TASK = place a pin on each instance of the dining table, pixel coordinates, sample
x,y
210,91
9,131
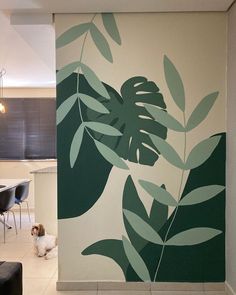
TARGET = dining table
x,y
10,183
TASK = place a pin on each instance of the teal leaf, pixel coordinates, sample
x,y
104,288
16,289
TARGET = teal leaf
x,y
103,128
201,111
93,81
65,107
109,23
174,83
76,144
201,194
101,43
66,71
164,118
193,236
158,193
72,34
136,260
201,152
110,155
142,228
167,151
93,104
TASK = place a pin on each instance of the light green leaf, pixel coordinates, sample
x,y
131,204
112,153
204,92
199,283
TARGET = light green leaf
x,y
158,193
142,228
101,43
174,83
164,118
93,104
66,71
110,155
201,111
167,151
201,194
201,152
193,236
103,128
65,107
72,34
136,260
93,81
109,23
76,144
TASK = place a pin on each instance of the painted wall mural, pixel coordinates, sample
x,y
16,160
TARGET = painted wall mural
x,y
100,127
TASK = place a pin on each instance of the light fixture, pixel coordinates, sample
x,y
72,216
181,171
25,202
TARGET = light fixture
x,y
2,106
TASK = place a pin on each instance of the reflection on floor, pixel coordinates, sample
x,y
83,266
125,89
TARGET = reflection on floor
x,y
40,275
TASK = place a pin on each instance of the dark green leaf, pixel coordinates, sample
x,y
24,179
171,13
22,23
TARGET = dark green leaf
x,y
101,43
65,107
136,260
129,116
109,248
193,236
174,83
201,111
111,27
72,34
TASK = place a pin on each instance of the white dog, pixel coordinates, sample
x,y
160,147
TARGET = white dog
x,y
45,245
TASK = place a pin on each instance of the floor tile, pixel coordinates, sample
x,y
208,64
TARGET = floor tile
x,y
35,286
51,290
129,292
38,267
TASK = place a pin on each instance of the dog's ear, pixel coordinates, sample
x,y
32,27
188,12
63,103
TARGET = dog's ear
x,y
41,230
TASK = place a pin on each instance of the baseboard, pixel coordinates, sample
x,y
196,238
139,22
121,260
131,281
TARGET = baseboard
x,y
228,289
139,286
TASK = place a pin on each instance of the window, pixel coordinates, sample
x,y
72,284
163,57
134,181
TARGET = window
x,y
28,129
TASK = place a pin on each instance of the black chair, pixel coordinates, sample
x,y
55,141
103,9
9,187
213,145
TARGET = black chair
x,y
7,201
22,192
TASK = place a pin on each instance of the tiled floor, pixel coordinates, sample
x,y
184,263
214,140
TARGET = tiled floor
x,y
40,275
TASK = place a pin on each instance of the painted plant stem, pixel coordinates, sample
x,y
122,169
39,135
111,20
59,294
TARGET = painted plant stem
x,y
77,87
177,207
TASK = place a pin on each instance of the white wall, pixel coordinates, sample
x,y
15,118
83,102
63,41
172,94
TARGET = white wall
x,y
22,169
231,152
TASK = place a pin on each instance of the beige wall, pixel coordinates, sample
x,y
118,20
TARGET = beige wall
x,y
196,43
231,152
29,92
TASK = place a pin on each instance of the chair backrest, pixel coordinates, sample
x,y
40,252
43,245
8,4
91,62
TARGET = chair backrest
x,y
7,199
22,191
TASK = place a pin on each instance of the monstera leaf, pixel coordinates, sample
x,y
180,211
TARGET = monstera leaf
x,y
128,114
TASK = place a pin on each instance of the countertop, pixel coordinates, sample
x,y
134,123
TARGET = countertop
x,y
52,169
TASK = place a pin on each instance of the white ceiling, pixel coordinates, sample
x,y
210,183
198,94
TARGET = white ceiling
x,y
27,50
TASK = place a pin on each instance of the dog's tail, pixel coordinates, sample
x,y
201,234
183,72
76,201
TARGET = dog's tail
x,y
52,253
